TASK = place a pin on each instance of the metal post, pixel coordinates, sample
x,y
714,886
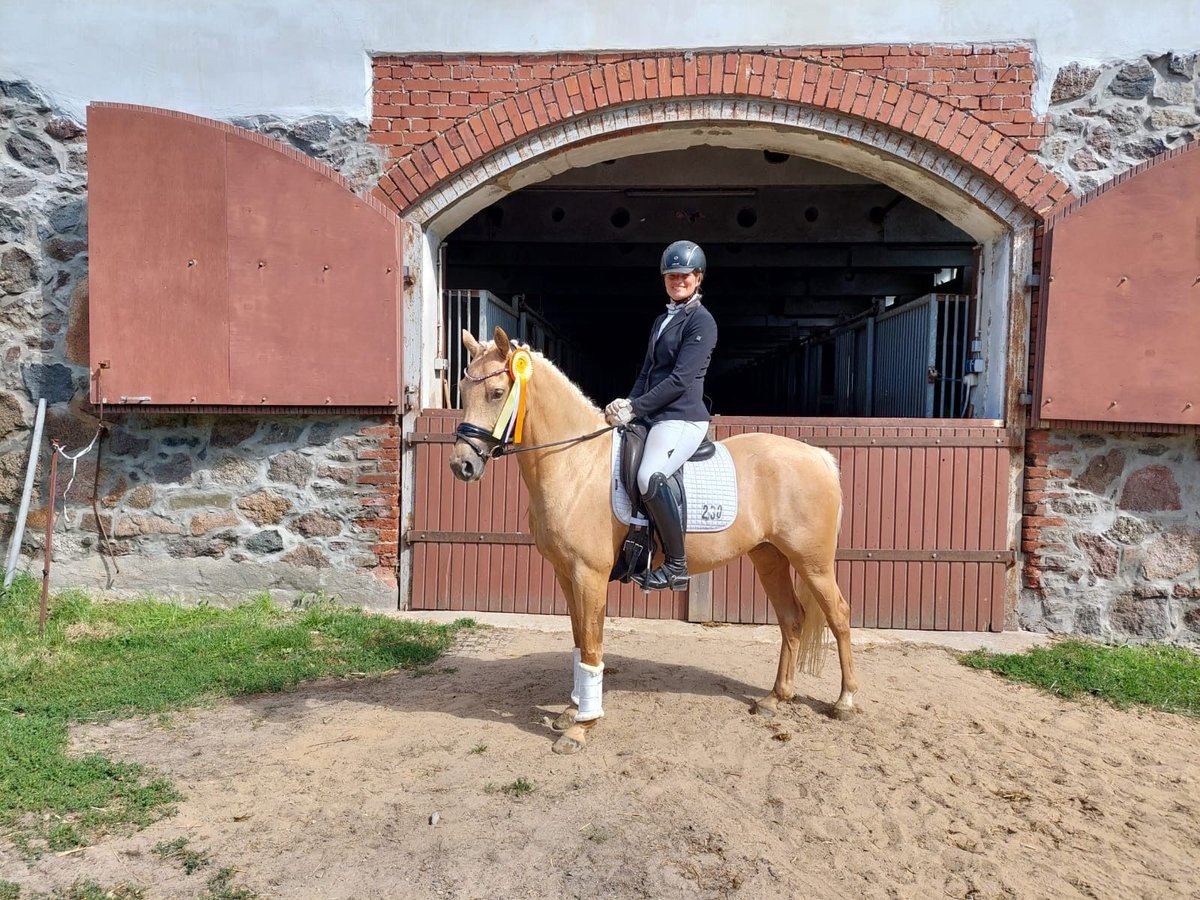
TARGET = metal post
x,y
870,376
49,539
19,527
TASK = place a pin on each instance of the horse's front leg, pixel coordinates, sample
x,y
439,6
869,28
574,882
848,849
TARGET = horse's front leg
x,y
566,718
590,590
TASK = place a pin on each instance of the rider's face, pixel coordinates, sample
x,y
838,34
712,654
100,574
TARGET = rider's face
x,y
681,285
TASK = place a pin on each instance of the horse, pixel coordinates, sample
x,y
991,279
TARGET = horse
x,y
789,515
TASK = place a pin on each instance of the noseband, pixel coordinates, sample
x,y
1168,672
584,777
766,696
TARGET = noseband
x,y
467,433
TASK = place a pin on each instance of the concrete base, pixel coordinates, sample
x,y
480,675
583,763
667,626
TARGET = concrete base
x,y
214,580
1004,642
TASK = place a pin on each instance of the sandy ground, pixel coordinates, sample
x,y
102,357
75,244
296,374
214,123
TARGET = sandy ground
x,y
949,783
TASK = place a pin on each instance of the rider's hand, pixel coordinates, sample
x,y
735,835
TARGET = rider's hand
x,y
619,412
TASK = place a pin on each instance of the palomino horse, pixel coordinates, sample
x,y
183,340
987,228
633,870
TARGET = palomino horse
x,y
790,508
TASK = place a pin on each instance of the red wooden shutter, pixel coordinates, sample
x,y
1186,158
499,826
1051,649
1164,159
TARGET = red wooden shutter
x,y
1121,320
228,270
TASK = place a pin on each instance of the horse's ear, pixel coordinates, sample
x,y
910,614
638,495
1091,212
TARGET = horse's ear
x,y
502,343
470,343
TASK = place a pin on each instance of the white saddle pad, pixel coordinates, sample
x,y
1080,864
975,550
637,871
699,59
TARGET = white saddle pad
x,y
711,486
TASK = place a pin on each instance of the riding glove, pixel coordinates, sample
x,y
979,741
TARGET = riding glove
x,y
619,412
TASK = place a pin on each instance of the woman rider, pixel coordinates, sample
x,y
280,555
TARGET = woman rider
x,y
669,395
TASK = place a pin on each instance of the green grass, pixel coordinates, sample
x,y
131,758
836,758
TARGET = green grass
x,y
80,890
1161,677
220,887
101,661
191,860
515,789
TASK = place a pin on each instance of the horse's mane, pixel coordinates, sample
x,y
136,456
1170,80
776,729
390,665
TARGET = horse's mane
x,y
541,360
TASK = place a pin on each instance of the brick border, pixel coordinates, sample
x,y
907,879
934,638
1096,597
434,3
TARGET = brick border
x,y
481,128
378,459
660,114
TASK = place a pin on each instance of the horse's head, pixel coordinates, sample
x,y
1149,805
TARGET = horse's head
x,y
483,389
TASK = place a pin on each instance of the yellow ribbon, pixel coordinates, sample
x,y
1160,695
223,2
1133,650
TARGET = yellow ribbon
x,y
506,414
520,366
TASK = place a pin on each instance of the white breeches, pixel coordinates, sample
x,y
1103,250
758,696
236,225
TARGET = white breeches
x,y
668,446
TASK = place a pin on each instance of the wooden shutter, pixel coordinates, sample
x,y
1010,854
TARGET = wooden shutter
x,y
230,271
1121,291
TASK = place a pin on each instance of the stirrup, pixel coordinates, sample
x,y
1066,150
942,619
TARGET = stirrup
x,y
671,575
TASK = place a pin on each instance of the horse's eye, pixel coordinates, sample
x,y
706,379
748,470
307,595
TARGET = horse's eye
x,y
497,393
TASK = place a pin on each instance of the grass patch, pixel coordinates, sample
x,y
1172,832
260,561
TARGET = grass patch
x,y
220,887
102,661
191,860
1164,678
92,890
80,890
516,789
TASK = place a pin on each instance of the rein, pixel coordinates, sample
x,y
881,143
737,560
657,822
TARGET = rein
x,y
496,448
511,415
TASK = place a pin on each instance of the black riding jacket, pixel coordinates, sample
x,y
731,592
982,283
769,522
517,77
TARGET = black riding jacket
x,y
671,383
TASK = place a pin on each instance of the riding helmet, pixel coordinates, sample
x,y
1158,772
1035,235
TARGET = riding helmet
x,y
683,256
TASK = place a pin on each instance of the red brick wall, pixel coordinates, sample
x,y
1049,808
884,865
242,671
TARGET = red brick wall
x,y
418,97
1039,491
438,113
379,471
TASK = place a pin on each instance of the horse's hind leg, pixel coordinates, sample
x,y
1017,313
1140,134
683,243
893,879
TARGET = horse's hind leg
x,y
819,578
775,573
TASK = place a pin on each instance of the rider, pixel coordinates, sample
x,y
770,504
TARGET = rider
x,y
669,395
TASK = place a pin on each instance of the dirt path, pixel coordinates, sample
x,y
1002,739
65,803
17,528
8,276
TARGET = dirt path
x,y
951,783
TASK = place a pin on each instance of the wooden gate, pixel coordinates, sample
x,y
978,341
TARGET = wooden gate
x,y
923,542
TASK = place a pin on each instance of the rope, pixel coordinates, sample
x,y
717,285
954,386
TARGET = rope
x,y
74,458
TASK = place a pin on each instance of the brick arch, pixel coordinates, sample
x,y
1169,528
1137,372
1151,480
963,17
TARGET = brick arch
x,y
975,144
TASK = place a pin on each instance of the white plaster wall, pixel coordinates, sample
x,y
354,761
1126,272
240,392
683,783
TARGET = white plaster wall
x,y
222,58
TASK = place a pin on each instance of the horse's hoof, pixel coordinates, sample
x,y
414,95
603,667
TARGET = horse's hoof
x,y
766,707
566,745
844,712
574,739
565,720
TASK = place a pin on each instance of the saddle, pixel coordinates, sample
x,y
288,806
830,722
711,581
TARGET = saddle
x,y
638,548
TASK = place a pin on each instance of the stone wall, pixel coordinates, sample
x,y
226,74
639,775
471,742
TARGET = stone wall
x,y
1118,548
196,505
1104,121
1111,535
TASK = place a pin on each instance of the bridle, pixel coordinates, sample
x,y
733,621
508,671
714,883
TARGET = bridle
x,y
493,446
466,432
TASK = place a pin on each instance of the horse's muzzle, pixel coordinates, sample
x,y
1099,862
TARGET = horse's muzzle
x,y
466,463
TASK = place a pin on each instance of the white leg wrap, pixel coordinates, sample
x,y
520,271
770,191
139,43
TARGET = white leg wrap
x,y
591,691
575,669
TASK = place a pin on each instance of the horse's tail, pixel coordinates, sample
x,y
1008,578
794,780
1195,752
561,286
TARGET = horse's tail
x,y
810,656
813,645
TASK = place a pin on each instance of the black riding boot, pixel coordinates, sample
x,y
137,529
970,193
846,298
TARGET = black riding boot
x,y
673,573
